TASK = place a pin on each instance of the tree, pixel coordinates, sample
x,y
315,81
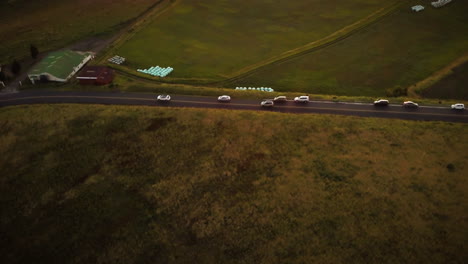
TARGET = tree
x,y
2,76
397,91
15,67
34,51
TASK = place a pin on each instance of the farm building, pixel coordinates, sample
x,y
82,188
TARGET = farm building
x,y
97,75
59,66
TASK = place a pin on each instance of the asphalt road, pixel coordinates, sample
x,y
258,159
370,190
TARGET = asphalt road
x,y
442,113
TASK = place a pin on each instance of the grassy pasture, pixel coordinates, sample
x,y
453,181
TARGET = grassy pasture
x,y
399,51
52,24
210,39
101,184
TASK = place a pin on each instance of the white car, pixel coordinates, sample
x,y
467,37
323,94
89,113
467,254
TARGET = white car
x,y
164,97
458,106
267,103
302,99
224,98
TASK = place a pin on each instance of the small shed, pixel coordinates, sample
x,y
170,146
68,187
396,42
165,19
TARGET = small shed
x,y
96,75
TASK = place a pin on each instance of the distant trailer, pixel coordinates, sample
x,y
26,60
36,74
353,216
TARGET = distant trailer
x,y
417,8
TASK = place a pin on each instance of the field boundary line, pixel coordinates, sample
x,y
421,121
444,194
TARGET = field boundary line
x,y
370,20
347,30
415,90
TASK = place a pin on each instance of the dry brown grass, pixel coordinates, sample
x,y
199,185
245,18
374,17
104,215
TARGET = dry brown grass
x,y
149,185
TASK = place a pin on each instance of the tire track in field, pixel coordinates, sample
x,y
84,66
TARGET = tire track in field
x,y
390,10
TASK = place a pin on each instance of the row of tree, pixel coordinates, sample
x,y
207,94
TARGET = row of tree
x,y
15,66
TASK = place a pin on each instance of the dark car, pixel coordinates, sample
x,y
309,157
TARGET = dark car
x,y
280,99
409,104
381,102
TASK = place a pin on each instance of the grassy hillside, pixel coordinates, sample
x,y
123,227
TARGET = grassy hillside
x,y
51,24
399,51
101,184
212,38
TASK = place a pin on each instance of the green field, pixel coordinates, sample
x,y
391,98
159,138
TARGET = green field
x,y
101,184
399,51
213,38
52,24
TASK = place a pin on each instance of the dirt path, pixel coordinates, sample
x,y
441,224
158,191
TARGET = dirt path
x,y
418,89
453,85
137,25
98,44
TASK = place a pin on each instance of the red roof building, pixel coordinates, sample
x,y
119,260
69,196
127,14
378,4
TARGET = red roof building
x,y
97,75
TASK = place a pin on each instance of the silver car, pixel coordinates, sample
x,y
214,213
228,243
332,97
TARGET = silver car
x,y
267,103
302,99
224,98
164,97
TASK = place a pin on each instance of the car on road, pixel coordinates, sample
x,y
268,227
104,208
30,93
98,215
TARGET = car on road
x,y
458,107
302,99
224,98
164,97
267,103
381,102
280,99
410,104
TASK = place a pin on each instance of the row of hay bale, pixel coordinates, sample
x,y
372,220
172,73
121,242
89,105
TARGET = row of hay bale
x,y
440,3
263,89
157,71
117,60
417,8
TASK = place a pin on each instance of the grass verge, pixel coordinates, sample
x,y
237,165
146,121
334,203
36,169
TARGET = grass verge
x,y
124,83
